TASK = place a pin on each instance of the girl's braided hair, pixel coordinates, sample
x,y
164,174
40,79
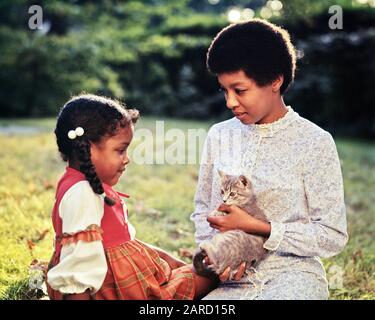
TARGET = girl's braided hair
x,y
99,117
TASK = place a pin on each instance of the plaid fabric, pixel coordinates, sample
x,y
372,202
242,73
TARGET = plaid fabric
x,y
136,272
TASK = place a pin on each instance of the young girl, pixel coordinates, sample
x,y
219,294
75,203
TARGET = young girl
x,y
96,254
291,162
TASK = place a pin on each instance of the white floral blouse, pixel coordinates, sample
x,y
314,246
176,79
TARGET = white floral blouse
x,y
295,170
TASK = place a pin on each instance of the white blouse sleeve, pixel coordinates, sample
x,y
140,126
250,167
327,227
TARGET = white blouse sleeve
x,y
325,234
82,264
203,193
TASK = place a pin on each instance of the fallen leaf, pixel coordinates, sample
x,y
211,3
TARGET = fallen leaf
x,y
41,235
30,244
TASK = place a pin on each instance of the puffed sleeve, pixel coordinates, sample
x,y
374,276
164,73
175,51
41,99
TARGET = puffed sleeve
x,y
203,192
82,263
325,234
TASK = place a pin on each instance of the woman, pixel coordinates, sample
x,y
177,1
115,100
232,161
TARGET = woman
x,y
292,163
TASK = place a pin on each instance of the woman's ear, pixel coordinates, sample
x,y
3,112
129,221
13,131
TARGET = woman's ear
x,y
277,83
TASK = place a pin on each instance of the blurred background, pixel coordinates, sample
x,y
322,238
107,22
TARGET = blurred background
x,y
151,54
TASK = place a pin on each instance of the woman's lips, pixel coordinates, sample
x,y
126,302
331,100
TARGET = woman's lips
x,y
240,115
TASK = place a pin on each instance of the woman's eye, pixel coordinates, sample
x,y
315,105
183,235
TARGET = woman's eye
x,y
240,91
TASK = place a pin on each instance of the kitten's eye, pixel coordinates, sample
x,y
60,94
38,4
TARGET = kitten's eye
x,y
232,194
222,192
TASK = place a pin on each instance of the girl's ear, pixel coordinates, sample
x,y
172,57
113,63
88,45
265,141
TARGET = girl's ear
x,y
93,150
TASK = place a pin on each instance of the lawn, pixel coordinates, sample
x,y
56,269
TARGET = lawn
x,y
160,205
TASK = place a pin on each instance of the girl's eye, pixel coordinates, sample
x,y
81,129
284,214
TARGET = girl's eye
x,y
232,194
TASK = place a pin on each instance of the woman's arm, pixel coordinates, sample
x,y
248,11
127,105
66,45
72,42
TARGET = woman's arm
x,y
239,219
325,234
202,196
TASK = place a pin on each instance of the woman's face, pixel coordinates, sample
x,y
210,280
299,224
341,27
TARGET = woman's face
x,y
250,103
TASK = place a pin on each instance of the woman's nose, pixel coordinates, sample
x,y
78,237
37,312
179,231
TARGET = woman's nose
x,y
231,101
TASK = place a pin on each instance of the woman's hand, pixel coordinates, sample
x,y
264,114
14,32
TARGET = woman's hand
x,y
240,220
226,273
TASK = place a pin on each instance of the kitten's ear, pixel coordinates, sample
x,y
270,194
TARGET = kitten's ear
x,y
245,181
221,174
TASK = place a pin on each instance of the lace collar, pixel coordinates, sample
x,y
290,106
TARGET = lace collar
x,y
269,129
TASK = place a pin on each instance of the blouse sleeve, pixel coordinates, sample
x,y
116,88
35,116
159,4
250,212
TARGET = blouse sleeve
x,y
82,263
325,234
203,193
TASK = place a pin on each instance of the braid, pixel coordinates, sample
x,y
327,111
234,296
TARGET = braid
x,y
87,167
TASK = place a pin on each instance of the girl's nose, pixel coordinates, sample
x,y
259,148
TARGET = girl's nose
x,y
231,101
126,160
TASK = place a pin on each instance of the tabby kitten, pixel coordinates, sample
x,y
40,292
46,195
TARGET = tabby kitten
x,y
232,247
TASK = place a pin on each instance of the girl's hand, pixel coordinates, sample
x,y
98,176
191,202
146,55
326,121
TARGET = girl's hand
x,y
240,220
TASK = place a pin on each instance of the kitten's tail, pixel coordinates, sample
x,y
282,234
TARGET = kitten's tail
x,y
200,267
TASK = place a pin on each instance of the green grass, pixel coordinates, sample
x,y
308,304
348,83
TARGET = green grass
x,y
160,204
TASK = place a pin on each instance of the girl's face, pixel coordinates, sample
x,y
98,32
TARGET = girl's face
x,y
250,103
109,156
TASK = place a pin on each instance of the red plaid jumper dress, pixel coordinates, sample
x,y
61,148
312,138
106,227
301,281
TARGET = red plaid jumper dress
x,y
135,271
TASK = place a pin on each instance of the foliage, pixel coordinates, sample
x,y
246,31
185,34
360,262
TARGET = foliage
x,y
152,54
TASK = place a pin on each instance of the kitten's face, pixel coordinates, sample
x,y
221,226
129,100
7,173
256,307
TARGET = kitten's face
x,y
236,190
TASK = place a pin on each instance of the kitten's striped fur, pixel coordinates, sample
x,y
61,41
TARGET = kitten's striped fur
x,y
232,247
